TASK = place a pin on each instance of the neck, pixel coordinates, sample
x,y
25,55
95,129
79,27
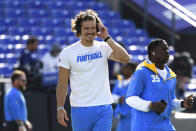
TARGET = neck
x,y
159,66
85,43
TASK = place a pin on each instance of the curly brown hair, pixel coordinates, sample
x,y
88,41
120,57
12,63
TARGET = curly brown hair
x,y
87,15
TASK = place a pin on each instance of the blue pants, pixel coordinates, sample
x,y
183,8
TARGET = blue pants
x,y
124,123
94,118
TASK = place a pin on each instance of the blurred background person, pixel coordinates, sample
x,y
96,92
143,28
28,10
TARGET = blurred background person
x,y
182,66
30,63
15,108
50,59
50,67
122,110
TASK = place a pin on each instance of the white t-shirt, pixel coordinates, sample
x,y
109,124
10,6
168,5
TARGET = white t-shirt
x,y
162,73
89,77
50,63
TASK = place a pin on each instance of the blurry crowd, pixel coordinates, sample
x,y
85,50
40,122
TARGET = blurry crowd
x,y
39,68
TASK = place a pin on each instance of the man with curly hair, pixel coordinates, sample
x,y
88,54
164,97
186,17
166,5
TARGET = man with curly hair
x,y
86,64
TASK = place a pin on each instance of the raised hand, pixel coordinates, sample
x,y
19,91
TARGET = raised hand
x,y
103,31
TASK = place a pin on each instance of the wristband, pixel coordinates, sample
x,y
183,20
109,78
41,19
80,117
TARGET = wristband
x,y
60,108
182,102
107,38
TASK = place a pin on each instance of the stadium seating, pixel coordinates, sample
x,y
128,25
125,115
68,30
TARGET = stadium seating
x,y
50,20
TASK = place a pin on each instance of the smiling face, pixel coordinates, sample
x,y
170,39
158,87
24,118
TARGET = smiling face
x,y
88,32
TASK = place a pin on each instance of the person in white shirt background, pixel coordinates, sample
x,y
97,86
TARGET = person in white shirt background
x,y
50,59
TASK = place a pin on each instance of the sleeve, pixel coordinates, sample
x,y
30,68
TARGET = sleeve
x,y
14,103
176,105
64,59
137,84
138,103
173,95
107,49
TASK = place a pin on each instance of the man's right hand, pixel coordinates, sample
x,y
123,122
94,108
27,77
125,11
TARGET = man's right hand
x,y
61,117
158,107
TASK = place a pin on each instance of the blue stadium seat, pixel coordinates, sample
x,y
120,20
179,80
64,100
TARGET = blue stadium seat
x,y
9,40
53,23
25,22
60,5
2,22
2,57
63,32
50,41
59,14
15,4
43,48
71,39
137,52
144,41
126,24
5,41
97,6
59,32
69,32
12,58
114,32
5,70
141,32
130,41
62,40
41,31
36,5
109,15
18,31
10,22
34,13
2,4
80,5
3,30
67,1
15,13
9,48
19,47
2,12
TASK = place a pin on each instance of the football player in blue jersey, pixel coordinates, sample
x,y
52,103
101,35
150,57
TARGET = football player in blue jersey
x,y
151,92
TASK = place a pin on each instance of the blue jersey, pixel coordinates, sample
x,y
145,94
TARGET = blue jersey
x,y
148,85
15,106
120,89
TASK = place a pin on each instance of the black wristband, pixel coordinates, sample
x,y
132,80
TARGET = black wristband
x,y
182,104
107,38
